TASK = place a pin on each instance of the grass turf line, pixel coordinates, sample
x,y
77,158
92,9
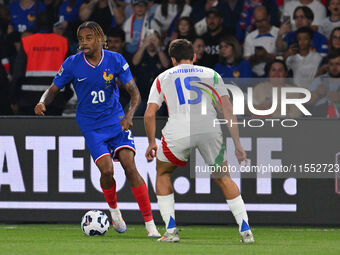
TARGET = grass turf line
x,y
69,239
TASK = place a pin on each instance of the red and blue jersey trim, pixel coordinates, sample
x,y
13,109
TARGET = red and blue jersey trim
x,y
93,66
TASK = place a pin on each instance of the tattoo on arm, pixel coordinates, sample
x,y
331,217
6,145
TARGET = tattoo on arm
x,y
49,95
135,100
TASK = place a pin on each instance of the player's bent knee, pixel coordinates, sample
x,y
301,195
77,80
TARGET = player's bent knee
x,y
107,172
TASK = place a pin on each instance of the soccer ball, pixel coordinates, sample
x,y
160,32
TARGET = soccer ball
x,y
95,223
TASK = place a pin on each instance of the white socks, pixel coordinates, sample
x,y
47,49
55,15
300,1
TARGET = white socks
x,y
238,209
166,206
150,226
115,211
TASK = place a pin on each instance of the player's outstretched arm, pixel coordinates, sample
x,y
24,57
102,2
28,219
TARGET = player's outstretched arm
x,y
46,99
227,108
135,99
150,129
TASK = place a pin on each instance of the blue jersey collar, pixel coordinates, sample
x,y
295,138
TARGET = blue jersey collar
x,y
93,66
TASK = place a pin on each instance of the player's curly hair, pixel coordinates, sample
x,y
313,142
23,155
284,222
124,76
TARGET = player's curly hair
x,y
97,30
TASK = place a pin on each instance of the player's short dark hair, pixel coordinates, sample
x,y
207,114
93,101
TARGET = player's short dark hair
x,y
181,49
306,11
117,33
97,30
306,30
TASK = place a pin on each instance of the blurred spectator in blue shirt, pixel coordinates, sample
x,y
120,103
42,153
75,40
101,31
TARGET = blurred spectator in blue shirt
x,y
23,14
69,10
136,26
231,65
303,17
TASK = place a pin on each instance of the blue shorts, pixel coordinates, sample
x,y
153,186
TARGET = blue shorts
x,y
105,141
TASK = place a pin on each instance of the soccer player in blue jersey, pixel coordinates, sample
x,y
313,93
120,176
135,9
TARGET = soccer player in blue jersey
x,y
101,118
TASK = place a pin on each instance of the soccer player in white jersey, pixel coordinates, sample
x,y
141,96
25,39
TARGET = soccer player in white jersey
x,y
187,128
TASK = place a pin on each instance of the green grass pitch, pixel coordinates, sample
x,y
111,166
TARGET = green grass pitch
x,y
69,239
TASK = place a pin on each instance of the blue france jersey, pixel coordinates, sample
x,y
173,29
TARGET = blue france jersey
x,y
23,19
319,43
96,89
69,12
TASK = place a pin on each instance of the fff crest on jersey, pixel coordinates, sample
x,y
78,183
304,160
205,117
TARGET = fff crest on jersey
x,y
107,77
30,17
236,74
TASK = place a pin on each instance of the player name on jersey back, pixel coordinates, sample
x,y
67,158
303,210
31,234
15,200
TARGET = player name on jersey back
x,y
187,70
191,94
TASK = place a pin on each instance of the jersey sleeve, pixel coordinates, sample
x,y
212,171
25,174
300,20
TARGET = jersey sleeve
x,y
156,95
123,69
64,75
220,86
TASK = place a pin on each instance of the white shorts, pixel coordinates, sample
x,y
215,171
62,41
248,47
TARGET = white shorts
x,y
211,146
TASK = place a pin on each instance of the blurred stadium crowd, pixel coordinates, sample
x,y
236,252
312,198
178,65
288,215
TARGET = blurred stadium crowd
x,y
239,39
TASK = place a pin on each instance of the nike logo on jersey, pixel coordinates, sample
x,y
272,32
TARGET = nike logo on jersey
x,y
81,79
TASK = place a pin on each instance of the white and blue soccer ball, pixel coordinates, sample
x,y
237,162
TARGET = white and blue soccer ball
x,y
95,223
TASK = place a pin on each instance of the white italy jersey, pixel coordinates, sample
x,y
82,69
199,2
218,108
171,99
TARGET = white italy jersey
x,y
191,93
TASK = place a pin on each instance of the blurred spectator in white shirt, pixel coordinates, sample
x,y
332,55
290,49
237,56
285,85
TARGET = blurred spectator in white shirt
x,y
259,46
329,23
317,8
303,62
166,16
